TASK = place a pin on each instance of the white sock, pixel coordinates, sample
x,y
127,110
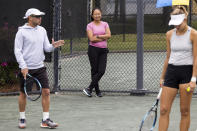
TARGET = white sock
x,y
45,115
22,115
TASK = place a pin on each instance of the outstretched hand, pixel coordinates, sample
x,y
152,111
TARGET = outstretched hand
x,y
57,43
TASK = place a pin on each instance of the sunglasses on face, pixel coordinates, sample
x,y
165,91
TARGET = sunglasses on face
x,y
36,16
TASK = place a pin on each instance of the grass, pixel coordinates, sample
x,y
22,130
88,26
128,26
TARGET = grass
x,y
194,24
152,42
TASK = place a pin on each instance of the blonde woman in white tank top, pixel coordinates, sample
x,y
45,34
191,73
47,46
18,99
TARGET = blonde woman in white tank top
x,y
179,70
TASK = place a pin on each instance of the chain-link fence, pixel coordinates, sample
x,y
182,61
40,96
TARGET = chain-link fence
x,y
136,48
120,74
123,65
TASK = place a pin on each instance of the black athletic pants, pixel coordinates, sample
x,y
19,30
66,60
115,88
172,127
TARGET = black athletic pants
x,y
98,61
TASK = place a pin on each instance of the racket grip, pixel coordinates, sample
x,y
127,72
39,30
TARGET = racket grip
x,y
158,96
29,75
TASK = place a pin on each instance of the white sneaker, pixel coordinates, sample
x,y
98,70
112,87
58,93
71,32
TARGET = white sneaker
x,y
22,123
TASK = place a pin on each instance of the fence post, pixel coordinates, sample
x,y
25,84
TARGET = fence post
x,y
140,49
123,16
190,13
56,34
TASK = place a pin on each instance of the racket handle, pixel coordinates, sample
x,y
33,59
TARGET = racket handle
x,y
29,75
158,96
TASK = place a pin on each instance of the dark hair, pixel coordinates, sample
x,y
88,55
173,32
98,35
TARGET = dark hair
x,y
96,8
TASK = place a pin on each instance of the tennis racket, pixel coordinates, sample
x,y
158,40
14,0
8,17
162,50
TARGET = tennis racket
x,y
150,119
32,88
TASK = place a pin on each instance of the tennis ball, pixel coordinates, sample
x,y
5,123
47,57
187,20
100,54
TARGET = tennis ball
x,y
188,89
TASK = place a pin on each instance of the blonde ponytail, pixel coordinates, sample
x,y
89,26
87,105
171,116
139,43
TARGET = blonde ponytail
x,y
179,10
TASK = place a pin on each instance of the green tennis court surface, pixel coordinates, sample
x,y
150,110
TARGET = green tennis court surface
x,y
77,112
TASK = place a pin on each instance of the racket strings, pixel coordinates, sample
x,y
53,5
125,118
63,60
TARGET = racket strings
x,y
33,90
148,122
32,86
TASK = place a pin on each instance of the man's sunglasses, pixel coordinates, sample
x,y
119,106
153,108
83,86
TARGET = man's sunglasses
x,y
36,16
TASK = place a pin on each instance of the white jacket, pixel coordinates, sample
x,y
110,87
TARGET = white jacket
x,y
30,44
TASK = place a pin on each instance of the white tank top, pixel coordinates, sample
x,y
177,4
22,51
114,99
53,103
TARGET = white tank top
x,y
181,49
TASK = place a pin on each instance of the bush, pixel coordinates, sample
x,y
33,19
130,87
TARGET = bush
x,y
8,64
8,73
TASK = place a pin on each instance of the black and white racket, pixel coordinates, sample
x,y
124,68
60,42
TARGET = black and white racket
x,y
32,88
150,119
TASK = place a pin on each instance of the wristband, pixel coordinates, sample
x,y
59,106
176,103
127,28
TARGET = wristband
x,y
193,79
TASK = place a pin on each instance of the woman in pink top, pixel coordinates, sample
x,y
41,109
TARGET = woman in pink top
x,y
98,32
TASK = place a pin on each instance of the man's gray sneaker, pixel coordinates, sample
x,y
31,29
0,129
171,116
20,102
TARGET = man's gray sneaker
x,y
48,124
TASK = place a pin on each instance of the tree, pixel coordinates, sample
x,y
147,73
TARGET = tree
x,y
97,3
122,10
166,16
115,19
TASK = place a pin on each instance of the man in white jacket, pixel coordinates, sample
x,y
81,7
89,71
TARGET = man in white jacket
x,y
30,43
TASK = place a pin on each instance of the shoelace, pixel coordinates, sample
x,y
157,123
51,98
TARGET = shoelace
x,y
50,120
22,120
